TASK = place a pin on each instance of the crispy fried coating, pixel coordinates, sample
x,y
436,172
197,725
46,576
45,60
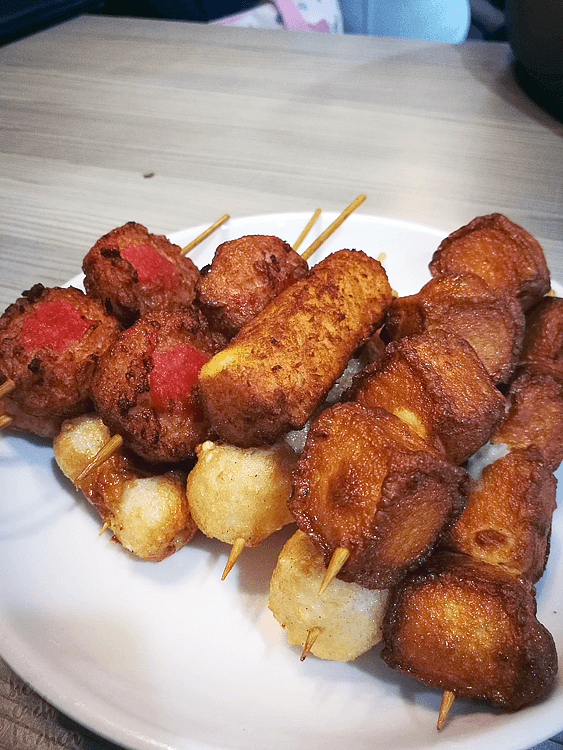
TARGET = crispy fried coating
x,y
143,387
366,482
469,627
543,341
492,322
507,519
501,252
534,415
278,368
241,493
148,513
244,276
346,617
50,341
438,386
133,272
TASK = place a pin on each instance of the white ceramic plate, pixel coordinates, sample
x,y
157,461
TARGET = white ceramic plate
x,y
165,655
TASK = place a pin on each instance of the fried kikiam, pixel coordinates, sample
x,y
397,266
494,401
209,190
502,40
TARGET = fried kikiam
x,y
146,510
438,386
50,342
463,304
543,342
507,519
501,252
239,495
244,276
366,483
143,387
339,625
276,371
534,415
470,628
132,272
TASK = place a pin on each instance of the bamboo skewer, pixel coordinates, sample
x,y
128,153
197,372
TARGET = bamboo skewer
x,y
205,234
102,455
335,224
307,228
236,549
447,700
5,420
339,557
312,636
7,387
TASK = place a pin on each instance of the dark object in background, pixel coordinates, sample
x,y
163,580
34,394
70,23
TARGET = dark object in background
x,y
179,10
536,37
22,17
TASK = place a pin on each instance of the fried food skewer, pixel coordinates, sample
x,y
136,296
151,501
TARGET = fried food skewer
x,y
307,229
312,636
238,546
7,387
445,705
113,444
335,224
205,234
339,557
5,420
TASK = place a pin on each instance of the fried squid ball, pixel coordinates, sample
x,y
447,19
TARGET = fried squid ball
x,y
345,619
240,493
147,513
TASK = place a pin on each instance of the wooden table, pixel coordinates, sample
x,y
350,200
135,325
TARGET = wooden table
x,y
106,120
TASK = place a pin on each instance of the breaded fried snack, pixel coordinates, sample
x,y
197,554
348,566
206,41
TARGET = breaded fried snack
x,y
534,415
344,621
132,272
366,482
463,304
501,252
279,367
144,386
147,513
50,341
507,519
241,493
244,276
439,387
469,627
543,341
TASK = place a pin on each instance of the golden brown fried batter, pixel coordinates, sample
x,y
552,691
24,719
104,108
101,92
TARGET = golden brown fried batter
x,y
469,627
543,341
438,386
50,341
244,276
278,368
502,253
367,483
144,386
507,519
133,272
534,415
493,323
147,512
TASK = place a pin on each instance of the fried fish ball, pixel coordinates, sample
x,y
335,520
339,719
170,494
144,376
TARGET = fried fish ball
x,y
543,341
438,386
346,619
244,276
241,493
469,627
534,415
507,519
133,272
279,367
463,304
501,252
143,386
147,513
50,341
367,483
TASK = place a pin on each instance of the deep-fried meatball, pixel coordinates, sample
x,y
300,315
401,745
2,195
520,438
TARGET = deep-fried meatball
x,y
50,341
133,272
244,276
143,386
543,341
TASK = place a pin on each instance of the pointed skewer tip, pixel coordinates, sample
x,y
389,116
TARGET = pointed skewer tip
x,y
447,700
102,455
236,549
339,557
312,636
